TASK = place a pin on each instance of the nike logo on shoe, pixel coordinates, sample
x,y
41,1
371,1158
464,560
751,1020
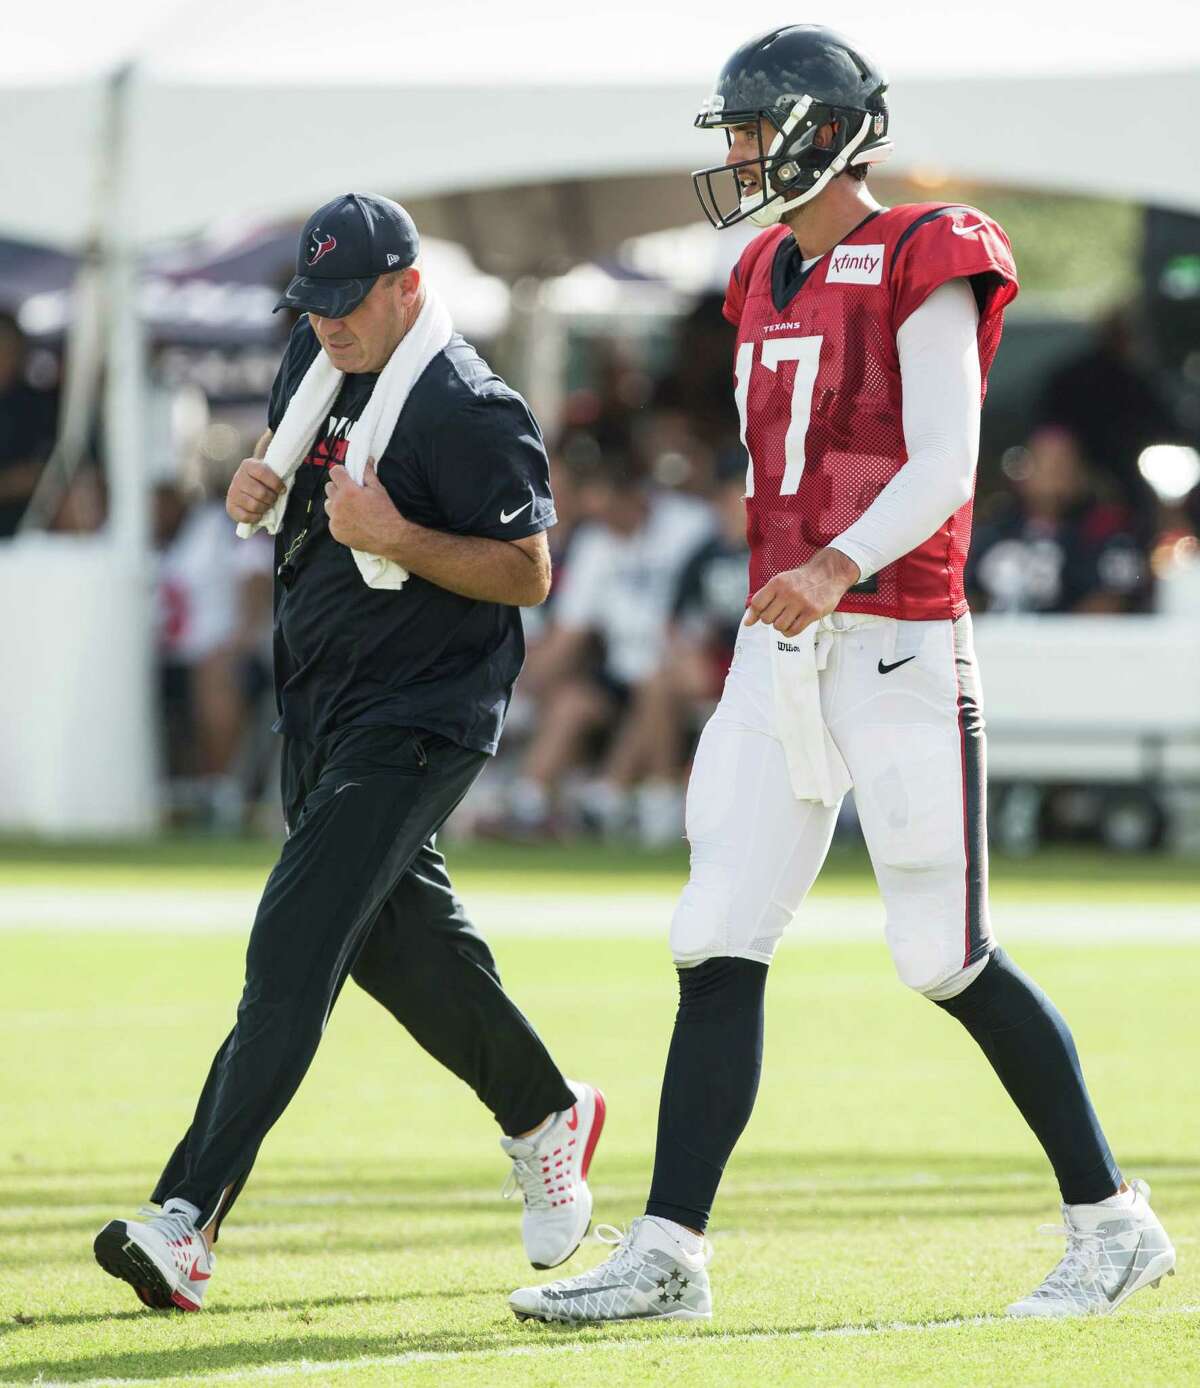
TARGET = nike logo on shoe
x,y
573,1121
887,669
196,1275
506,516
1130,1269
583,1291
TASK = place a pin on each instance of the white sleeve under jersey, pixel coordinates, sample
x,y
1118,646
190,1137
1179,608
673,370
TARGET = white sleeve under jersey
x,y
940,381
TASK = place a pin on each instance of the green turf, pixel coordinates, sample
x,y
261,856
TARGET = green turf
x,y
196,860
883,1192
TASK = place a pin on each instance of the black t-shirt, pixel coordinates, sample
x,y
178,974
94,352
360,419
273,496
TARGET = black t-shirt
x,y
466,457
710,597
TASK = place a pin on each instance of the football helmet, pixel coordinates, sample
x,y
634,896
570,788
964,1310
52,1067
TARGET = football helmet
x,y
795,80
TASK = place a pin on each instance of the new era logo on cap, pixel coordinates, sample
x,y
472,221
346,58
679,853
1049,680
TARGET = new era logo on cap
x,y
344,248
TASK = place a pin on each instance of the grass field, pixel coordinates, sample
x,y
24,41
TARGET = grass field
x,y
881,1210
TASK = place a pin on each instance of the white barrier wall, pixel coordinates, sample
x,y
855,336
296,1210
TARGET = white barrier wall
x,y
78,717
1091,698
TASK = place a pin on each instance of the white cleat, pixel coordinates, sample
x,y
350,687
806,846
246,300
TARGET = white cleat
x,y
165,1260
649,1276
1112,1252
551,1172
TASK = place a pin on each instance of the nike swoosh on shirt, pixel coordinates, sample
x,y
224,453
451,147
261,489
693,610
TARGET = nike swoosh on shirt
x,y
967,231
506,516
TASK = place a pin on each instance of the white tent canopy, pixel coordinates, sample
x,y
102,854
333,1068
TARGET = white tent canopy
x,y
249,106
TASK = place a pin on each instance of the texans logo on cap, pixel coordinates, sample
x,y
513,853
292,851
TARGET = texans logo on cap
x,y
319,245
370,236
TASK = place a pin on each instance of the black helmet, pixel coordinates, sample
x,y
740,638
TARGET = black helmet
x,y
798,79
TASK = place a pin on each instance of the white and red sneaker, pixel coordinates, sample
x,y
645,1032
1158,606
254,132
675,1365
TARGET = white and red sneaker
x,y
165,1260
551,1171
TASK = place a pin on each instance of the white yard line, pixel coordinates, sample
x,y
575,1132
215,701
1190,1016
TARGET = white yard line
x,y
827,916
563,1346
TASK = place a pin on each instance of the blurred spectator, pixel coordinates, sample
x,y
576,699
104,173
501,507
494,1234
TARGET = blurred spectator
x,y
699,382
27,426
619,586
708,607
1107,398
615,391
1054,547
215,621
566,469
692,418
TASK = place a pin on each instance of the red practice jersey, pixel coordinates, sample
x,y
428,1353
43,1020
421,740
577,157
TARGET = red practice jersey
x,y
817,383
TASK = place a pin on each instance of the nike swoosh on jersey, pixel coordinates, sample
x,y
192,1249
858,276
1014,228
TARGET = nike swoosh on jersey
x,y
506,516
967,231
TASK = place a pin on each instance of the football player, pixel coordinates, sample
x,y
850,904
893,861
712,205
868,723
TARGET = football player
x,y
864,338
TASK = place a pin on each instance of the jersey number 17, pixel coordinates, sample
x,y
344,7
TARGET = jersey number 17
x,y
806,353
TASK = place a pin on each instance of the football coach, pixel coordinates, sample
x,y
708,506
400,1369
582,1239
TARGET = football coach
x,y
408,490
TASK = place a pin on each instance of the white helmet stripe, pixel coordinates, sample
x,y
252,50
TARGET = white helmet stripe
x,y
768,213
790,124
844,158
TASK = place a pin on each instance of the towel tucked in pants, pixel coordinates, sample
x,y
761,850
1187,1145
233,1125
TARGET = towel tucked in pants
x,y
360,889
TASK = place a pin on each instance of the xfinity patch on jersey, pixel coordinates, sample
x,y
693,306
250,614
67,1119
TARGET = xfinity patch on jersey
x,y
855,265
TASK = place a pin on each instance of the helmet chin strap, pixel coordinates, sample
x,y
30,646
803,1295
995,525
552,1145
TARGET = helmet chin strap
x,y
769,213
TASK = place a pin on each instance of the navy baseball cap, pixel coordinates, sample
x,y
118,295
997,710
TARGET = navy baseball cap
x,y
344,248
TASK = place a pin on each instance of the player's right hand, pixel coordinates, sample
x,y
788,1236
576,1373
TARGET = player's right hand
x,y
797,597
253,489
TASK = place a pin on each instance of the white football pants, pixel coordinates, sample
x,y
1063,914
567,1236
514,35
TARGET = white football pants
x,y
901,703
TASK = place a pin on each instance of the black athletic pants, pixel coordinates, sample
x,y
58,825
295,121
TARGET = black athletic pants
x,y
360,889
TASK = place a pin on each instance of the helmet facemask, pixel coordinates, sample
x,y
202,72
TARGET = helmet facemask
x,y
791,170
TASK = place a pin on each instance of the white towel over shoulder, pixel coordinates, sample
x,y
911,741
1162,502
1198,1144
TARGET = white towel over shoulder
x,y
310,407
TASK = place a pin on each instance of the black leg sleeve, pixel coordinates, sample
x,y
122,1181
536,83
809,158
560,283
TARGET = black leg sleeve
x,y
1029,1045
710,1085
